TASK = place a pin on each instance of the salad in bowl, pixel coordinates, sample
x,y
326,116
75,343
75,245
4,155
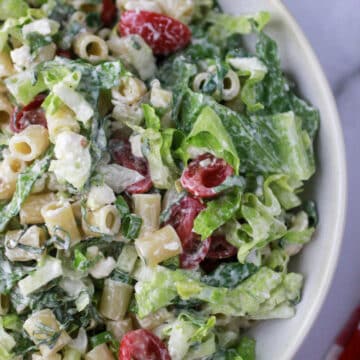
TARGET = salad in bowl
x,y
151,174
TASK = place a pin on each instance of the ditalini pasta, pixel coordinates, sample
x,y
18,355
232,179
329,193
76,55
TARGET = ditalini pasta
x,y
60,221
30,143
151,170
91,47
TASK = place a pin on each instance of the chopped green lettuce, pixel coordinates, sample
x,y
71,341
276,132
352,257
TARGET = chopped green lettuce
x,y
13,9
209,135
217,213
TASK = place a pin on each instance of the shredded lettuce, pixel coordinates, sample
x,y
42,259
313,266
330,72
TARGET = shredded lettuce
x,y
217,213
13,9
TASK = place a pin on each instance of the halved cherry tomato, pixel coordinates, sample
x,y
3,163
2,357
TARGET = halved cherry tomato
x,y
64,53
220,248
142,344
30,114
122,155
182,219
205,173
108,12
162,33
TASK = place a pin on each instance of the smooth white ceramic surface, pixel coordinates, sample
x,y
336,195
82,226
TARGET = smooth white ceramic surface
x,y
281,339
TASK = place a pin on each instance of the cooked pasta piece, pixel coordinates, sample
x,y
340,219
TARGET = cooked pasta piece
x,y
129,91
148,207
104,33
60,221
34,237
10,168
119,328
41,326
78,16
30,143
231,86
4,304
30,212
133,50
115,299
100,352
76,208
105,220
6,66
147,5
90,47
64,119
51,357
200,80
6,111
103,268
159,245
99,196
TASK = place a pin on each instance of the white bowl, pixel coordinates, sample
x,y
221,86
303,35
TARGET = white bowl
x,y
280,339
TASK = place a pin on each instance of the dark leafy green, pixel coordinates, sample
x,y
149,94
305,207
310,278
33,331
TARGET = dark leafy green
x,y
229,275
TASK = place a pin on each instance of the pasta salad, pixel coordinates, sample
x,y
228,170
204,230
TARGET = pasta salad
x,y
151,170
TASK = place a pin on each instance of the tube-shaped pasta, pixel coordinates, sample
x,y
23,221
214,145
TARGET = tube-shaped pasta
x,y
148,207
4,304
38,356
34,237
129,91
45,319
105,220
115,299
100,352
119,328
155,319
178,9
231,86
76,208
5,110
64,119
200,80
6,66
10,168
159,246
30,143
59,219
30,212
147,5
90,47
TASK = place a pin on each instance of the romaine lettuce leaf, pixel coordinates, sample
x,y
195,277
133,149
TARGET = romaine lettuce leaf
x,y
13,9
217,213
209,135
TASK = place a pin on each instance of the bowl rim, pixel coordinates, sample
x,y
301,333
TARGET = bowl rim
x,y
341,191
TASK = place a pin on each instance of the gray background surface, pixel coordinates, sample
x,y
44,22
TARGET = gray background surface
x,y
333,29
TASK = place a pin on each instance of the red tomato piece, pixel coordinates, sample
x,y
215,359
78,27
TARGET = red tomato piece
x,y
182,219
162,33
205,173
30,114
142,344
122,155
64,53
108,13
220,248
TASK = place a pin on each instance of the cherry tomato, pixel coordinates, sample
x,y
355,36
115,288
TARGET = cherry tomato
x,y
30,114
162,33
182,219
142,344
64,53
108,12
220,248
205,173
122,155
